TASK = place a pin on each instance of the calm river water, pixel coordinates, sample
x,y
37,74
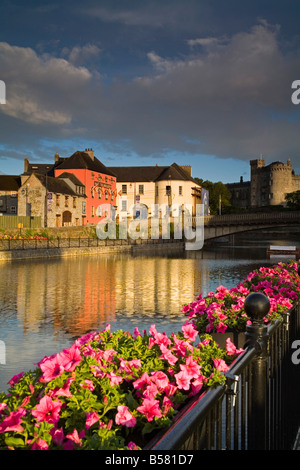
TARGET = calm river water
x,y
45,304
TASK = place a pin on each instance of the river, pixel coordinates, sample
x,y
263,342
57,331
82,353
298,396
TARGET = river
x,y
45,304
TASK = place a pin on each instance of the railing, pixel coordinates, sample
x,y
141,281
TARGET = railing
x,y
9,244
250,218
258,408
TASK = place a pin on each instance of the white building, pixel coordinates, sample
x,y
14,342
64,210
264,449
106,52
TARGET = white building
x,y
159,185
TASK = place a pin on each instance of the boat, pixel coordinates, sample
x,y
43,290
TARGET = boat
x,y
283,250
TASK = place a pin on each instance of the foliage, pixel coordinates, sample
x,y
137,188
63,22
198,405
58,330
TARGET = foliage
x,y
293,200
224,309
218,192
109,390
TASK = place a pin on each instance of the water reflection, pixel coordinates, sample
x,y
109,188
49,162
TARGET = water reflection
x,y
45,304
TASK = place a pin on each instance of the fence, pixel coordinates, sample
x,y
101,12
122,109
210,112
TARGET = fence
x,y
258,407
13,221
9,244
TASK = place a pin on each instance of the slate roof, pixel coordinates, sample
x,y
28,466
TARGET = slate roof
x,y
151,173
56,185
10,182
71,177
81,160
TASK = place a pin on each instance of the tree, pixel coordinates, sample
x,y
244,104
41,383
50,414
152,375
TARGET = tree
x,y
293,199
219,196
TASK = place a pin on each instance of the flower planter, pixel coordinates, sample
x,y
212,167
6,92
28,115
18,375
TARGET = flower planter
x,y
236,337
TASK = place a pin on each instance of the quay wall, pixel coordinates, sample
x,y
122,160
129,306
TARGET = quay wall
x,y
102,248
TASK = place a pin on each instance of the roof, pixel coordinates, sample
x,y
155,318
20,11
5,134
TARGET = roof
x,y
151,173
81,160
71,177
55,185
10,182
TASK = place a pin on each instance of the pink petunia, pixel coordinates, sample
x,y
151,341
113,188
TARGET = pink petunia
x,y
183,380
189,331
150,408
13,421
124,417
47,410
40,444
57,435
167,355
71,357
52,368
75,437
15,379
191,368
220,365
91,419
160,379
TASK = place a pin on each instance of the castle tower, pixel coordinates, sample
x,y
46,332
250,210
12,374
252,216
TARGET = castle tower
x,y
256,167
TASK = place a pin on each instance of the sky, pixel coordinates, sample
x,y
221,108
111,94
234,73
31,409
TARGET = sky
x,y
204,83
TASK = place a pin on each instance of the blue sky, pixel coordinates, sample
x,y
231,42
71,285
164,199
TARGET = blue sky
x,y
204,83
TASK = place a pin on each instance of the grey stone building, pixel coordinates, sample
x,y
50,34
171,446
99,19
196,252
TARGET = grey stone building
x,y
9,187
268,185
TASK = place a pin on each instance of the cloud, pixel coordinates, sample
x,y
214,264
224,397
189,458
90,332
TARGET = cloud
x,y
229,97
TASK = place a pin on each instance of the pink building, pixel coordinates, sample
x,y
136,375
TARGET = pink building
x,y
99,181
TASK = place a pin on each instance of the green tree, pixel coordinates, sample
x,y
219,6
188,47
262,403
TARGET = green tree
x,y
219,196
293,200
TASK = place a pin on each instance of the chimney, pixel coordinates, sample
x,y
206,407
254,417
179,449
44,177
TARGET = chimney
x,y
26,164
90,153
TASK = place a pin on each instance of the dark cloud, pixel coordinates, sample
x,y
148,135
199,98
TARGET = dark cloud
x,y
220,93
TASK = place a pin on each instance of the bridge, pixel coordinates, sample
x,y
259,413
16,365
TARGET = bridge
x,y
222,225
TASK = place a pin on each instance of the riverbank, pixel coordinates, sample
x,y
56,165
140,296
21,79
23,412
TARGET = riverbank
x,y
64,248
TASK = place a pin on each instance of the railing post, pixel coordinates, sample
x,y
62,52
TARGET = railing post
x,y
256,306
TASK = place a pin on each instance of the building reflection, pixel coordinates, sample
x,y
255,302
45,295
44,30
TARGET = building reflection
x,y
81,294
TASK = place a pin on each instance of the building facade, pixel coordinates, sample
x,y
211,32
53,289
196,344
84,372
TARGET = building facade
x,y
268,185
146,186
9,187
58,201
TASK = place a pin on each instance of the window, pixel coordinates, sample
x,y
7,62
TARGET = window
x,y
92,191
93,211
74,202
168,190
180,190
66,201
84,207
106,194
124,205
99,193
13,209
141,189
57,199
124,188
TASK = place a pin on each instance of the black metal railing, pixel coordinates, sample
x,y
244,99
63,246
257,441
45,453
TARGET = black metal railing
x,y
258,408
10,244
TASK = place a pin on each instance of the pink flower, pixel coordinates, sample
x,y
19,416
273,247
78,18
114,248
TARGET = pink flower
x,y
160,378
167,355
40,444
167,404
142,381
64,390
75,437
91,419
13,421
15,379
57,435
189,331
220,365
183,380
221,328
231,348
150,408
191,368
71,357
88,384
114,379
124,417
52,368
151,391
47,410
132,446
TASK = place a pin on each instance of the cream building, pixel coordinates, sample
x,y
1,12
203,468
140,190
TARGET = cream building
x,y
155,185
